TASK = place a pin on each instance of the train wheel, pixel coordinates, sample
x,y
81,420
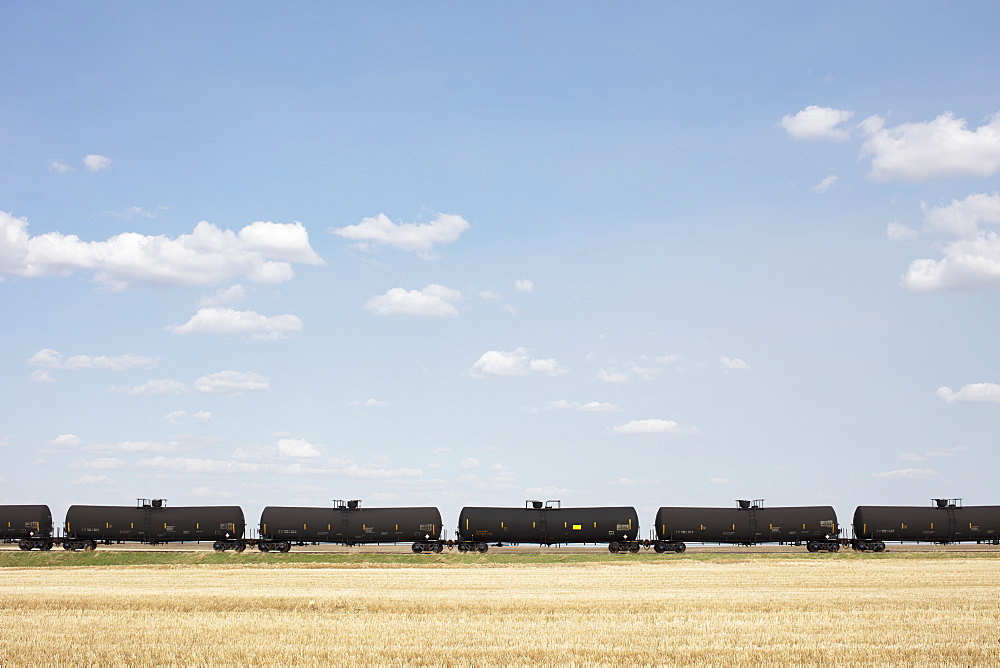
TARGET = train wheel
x,y
812,546
264,547
482,547
680,547
47,545
659,547
239,547
613,547
89,546
24,545
438,548
284,546
417,548
879,547
218,546
634,548
834,547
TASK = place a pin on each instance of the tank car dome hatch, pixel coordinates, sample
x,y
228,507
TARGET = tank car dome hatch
x,y
151,503
533,504
947,503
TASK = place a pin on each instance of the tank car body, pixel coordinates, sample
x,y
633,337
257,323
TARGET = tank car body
x,y
548,524
153,522
748,524
349,524
946,521
29,525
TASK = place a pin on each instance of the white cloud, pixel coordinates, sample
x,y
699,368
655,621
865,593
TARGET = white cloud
x,y
41,376
53,359
654,426
524,285
606,376
916,457
104,463
469,463
943,147
825,184
65,441
224,296
91,480
815,122
971,255
733,363
59,166
421,238
232,382
174,417
297,447
914,474
899,232
163,387
262,252
489,295
719,481
512,363
589,407
136,446
973,393
217,320
203,417
368,403
97,163
434,301
441,451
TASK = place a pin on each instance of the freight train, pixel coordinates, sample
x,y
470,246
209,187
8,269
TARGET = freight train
x,y
750,523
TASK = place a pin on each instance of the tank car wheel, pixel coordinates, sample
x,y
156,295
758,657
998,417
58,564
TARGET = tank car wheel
x,y
417,548
614,547
264,547
438,548
68,547
47,545
634,548
680,547
89,546
24,545
218,546
812,546
834,547
878,547
660,548
239,547
482,548
284,546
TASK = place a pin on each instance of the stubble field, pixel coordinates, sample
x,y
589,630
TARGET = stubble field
x,y
753,610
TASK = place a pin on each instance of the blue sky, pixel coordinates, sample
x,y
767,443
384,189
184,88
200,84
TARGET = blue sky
x,y
475,253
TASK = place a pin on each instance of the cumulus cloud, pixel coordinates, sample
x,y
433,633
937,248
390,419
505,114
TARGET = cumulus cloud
x,y
816,122
973,393
64,441
161,387
913,474
368,403
234,294
433,301
48,358
589,407
232,382
297,447
654,426
733,364
943,147
262,252
203,417
825,184
41,376
513,363
60,167
606,376
421,238
104,463
524,285
971,254
97,163
217,320
899,232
